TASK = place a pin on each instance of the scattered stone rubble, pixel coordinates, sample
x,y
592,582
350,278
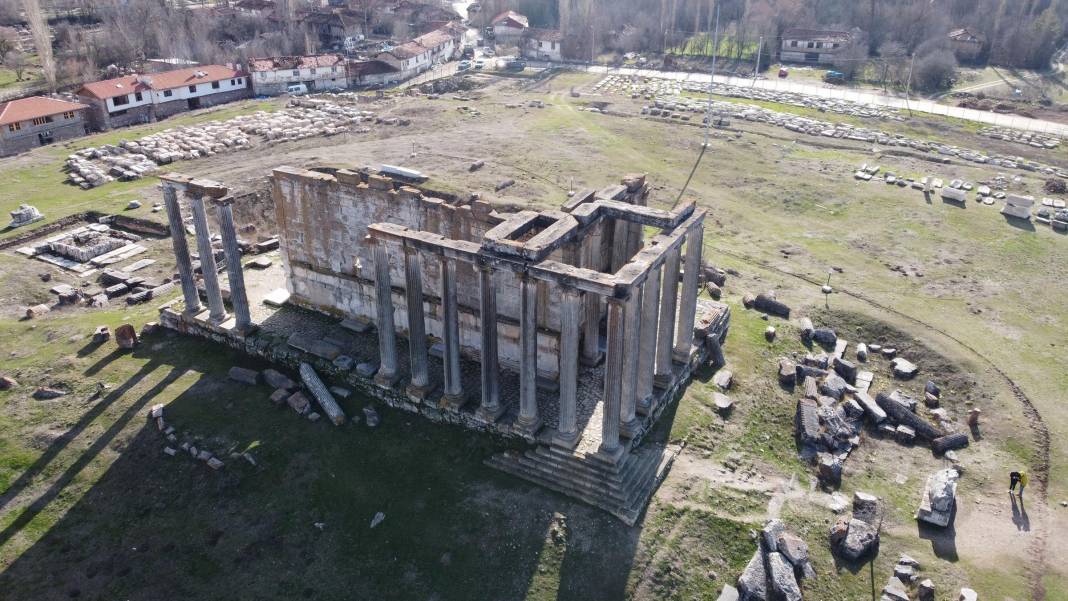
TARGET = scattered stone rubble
x,y
856,536
669,104
779,565
132,159
171,436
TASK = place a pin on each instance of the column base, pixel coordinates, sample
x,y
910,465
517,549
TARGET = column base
x,y
453,401
527,427
592,361
630,427
566,441
219,319
612,456
417,394
645,406
490,415
682,356
663,381
386,379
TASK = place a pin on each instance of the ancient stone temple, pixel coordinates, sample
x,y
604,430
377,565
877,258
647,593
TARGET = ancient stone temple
x,y
572,329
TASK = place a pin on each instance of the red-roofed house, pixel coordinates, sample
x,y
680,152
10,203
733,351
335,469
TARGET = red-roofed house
x,y
421,53
144,98
27,123
318,72
509,27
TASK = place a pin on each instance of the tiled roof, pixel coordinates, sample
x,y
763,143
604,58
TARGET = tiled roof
x,y
372,67
511,15
25,109
545,35
109,88
164,80
817,35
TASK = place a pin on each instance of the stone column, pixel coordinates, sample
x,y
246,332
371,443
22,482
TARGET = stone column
x,y
181,250
216,310
529,420
454,394
688,304
490,409
649,333
613,380
631,336
387,334
413,289
235,274
570,309
669,296
591,334
620,231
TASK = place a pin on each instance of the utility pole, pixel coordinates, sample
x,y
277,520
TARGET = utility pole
x,y
711,79
756,70
908,84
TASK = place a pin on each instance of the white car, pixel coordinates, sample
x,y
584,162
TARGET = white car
x,y
296,89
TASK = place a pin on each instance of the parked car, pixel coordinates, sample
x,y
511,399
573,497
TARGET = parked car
x,y
783,73
468,52
464,65
480,63
296,89
515,65
834,77
488,52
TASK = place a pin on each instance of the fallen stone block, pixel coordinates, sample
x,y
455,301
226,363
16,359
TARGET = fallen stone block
x,y
783,581
939,498
950,442
787,372
903,368
245,376
45,393
298,402
276,379
753,582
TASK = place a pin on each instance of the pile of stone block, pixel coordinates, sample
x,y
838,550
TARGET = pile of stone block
x,y
669,104
170,434
132,159
1035,140
856,536
777,568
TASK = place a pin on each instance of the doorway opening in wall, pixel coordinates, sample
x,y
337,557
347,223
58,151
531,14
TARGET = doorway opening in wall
x,y
194,103
45,138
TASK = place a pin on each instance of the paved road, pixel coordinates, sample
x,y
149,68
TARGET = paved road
x,y
862,97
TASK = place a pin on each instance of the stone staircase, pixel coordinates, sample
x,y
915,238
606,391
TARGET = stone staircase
x,y
622,489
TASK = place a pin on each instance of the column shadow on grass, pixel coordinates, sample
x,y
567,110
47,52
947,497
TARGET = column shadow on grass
x,y
154,526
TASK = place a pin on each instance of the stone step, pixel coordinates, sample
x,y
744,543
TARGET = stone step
x,y
622,490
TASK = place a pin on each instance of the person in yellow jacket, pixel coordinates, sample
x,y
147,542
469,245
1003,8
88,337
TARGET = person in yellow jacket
x,y
1023,482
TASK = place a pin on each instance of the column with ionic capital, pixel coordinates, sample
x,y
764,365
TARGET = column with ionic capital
x,y
490,408
669,297
413,290
181,250
450,324
632,327
529,419
209,270
688,304
387,375
235,274
613,380
649,334
570,310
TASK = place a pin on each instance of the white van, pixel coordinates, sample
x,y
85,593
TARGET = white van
x,y
296,89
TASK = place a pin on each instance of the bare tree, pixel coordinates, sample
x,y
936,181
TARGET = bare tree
x,y
42,38
17,62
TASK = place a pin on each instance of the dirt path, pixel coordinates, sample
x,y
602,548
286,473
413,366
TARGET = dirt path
x,y
1040,464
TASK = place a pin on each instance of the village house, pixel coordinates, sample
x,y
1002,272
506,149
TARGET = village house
x,y
332,28
815,46
543,44
372,73
967,45
509,27
420,54
143,98
272,76
415,18
37,121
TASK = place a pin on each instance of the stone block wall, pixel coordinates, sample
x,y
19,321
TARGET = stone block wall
x,y
322,225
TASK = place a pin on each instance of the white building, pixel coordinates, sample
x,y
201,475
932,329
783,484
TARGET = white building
x,y
319,72
420,54
543,44
814,46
